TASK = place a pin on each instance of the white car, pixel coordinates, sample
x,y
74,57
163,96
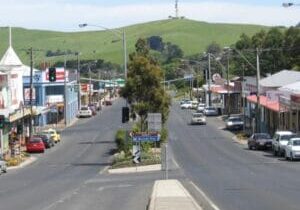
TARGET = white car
x,y
200,107
280,140
194,104
3,166
198,118
186,105
292,149
85,112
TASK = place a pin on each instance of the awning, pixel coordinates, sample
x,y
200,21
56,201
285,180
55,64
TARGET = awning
x,y
263,101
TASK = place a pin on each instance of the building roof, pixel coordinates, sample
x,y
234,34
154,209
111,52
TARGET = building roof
x,y
280,79
10,58
291,88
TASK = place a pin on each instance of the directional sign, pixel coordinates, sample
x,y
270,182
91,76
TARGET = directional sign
x,y
136,151
144,137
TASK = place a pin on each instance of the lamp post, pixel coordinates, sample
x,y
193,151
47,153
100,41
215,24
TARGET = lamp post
x,y
118,33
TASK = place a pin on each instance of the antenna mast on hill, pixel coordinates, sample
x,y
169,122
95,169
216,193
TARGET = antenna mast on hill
x,y
176,9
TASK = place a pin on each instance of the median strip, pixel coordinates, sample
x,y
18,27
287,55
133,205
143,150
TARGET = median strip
x,y
170,194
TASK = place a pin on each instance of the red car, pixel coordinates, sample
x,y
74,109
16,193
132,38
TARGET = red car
x,y
35,144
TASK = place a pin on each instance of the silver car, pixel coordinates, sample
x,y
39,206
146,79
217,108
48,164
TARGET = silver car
x,y
3,165
198,118
211,111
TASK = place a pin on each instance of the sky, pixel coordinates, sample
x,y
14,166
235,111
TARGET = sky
x,y
65,15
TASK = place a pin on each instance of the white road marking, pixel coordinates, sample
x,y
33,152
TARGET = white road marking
x,y
212,204
114,186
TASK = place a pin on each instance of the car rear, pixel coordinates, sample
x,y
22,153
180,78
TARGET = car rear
x,y
198,118
35,145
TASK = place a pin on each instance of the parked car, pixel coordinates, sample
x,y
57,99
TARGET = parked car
x,y
234,123
292,149
198,118
47,139
3,165
200,107
280,140
211,111
186,105
85,112
35,144
54,134
260,141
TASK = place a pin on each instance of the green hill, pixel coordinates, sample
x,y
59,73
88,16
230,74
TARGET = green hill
x,y
192,36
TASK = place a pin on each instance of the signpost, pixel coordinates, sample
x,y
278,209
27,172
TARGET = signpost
x,y
136,151
154,121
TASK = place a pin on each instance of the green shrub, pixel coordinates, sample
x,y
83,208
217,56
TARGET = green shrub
x,y
123,142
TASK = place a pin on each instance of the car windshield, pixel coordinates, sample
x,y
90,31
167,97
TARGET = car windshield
x,y
197,115
235,119
84,108
35,140
286,137
263,136
211,109
296,142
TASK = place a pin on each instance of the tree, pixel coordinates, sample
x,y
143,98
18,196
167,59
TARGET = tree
x,y
143,88
156,43
172,51
214,48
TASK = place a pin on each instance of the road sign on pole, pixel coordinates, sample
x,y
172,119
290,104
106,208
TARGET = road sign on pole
x,y
136,151
146,137
154,121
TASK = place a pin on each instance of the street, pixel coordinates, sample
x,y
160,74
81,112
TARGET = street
x,y
231,176
68,176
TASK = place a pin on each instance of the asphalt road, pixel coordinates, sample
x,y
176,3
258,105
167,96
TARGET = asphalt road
x,y
232,176
68,177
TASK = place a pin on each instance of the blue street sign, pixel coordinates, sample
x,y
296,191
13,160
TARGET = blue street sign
x,y
146,138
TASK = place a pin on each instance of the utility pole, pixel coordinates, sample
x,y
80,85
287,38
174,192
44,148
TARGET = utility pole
x,y
243,97
258,110
90,83
65,90
228,87
78,80
30,92
209,80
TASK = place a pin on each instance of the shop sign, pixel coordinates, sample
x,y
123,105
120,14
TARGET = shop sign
x,y
19,114
53,99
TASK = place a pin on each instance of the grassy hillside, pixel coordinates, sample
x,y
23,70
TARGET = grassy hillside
x,y
191,36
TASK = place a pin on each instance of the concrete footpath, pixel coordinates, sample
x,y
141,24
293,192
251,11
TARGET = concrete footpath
x,y
171,195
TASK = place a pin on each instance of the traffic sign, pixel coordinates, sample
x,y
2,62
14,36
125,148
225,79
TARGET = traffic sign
x,y
154,121
146,137
136,151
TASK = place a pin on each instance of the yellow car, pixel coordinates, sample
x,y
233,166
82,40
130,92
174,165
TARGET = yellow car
x,y
54,134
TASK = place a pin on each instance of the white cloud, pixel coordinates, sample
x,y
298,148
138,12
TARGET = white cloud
x,y
66,16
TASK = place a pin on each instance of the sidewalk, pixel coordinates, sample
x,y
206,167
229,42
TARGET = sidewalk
x,y
27,162
170,194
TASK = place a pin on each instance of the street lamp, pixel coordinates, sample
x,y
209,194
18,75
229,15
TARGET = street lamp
x,y
118,33
289,4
